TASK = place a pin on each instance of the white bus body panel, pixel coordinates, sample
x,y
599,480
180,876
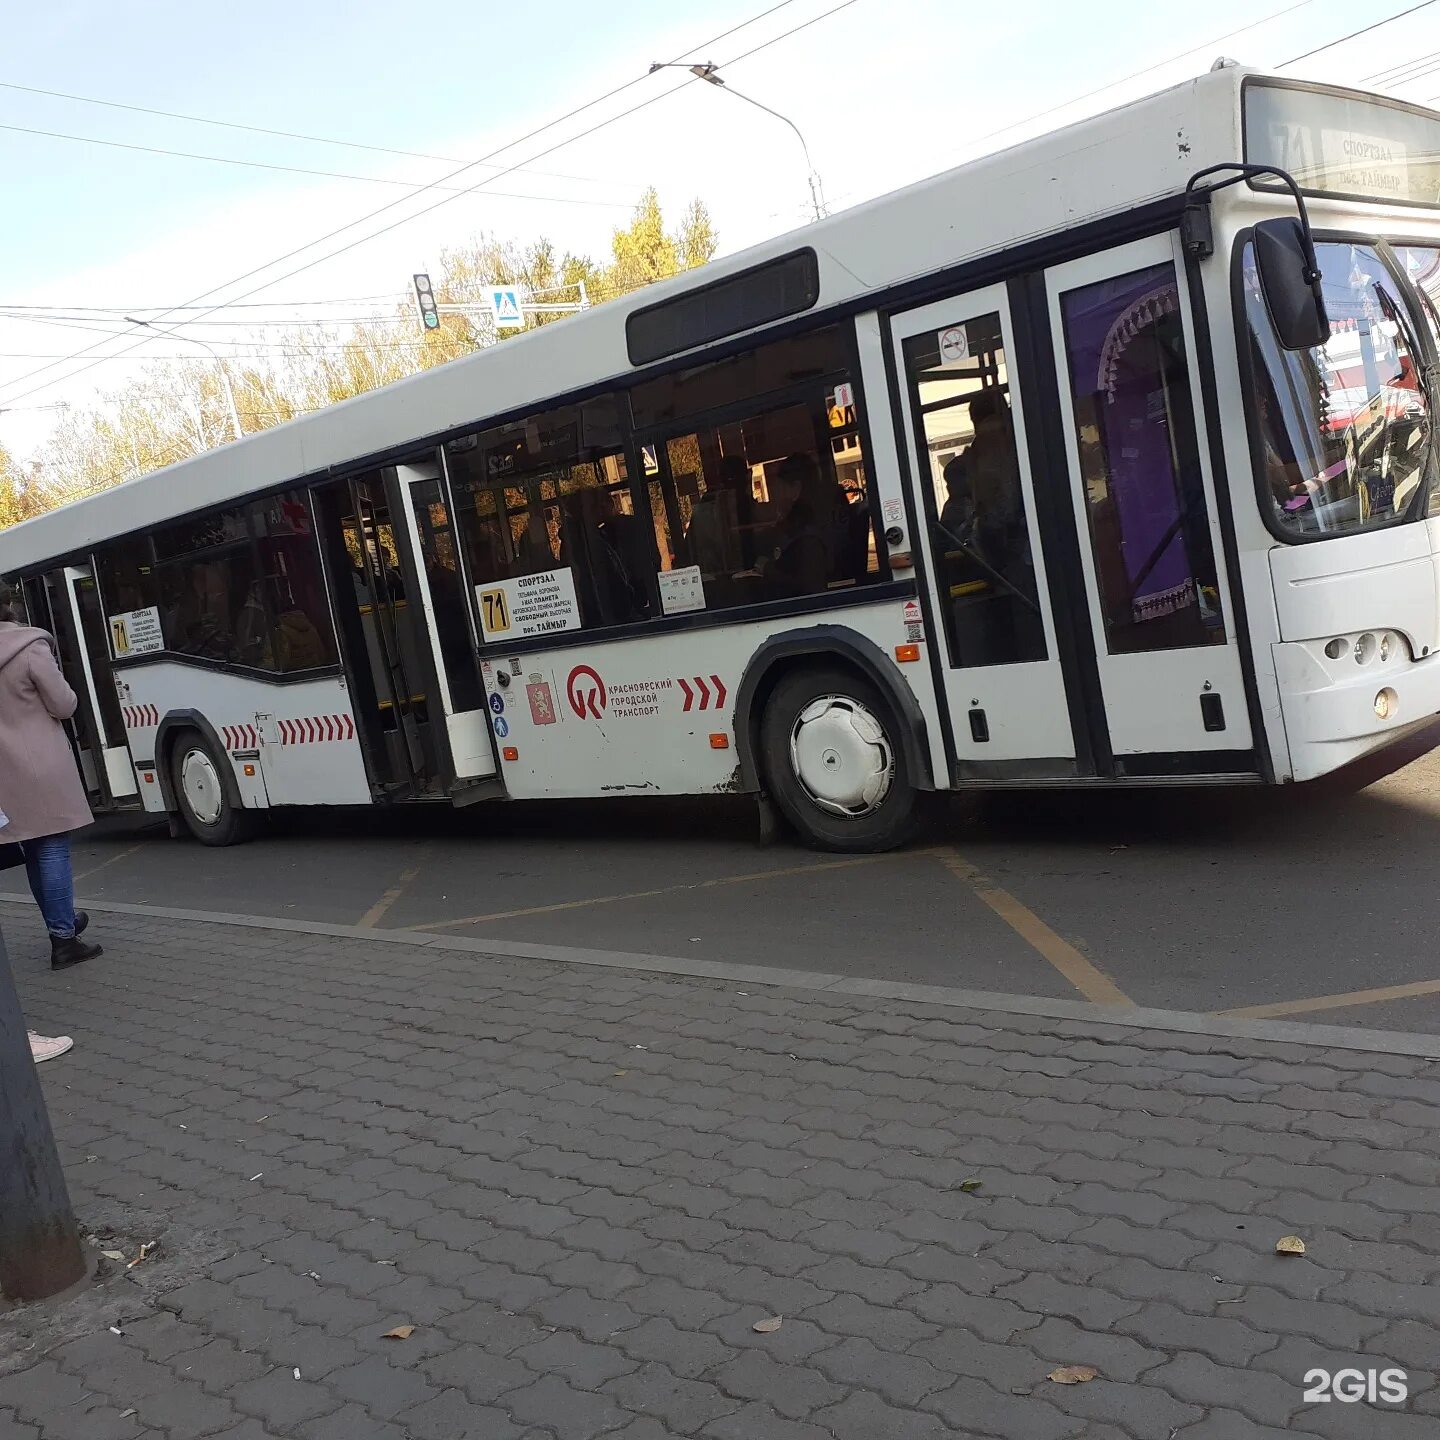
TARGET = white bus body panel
x,y
613,719
302,735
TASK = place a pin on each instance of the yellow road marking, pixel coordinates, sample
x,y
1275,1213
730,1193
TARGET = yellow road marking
x,y
647,894
1335,1002
1092,982
373,916
113,860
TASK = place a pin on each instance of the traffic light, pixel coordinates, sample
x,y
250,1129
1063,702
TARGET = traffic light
x,y
425,303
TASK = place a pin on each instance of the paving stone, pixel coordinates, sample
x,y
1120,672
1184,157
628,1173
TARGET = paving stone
x,y
282,1401
972,1405
351,1423
899,1379
793,1390
1264,1398
683,1405
759,1422
863,1416
572,1414
451,1416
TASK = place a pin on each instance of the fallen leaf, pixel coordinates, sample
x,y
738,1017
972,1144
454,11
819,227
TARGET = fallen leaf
x,y
400,1332
767,1327
113,1254
1073,1374
1289,1245
969,1186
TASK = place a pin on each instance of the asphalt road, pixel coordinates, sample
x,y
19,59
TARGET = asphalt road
x,y
1313,904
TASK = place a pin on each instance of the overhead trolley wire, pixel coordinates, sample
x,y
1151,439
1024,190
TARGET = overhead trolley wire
x,y
1355,34
350,225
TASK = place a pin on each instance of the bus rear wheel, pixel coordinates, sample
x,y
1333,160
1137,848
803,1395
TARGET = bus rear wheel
x,y
833,761
205,805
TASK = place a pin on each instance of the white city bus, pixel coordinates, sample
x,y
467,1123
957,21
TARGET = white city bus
x,y
1047,471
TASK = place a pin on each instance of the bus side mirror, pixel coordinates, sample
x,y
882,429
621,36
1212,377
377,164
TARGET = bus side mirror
x,y
1290,282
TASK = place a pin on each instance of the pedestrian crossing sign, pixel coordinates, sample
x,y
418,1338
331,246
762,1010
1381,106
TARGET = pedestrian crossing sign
x,y
505,307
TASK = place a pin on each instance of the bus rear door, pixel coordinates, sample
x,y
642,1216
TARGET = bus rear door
x,y
98,729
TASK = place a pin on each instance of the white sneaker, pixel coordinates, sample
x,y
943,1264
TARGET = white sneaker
x,y
48,1047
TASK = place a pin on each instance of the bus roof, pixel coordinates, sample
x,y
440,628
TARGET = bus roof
x,y
1150,147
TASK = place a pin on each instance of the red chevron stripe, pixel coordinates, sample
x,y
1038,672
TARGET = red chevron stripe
x,y
349,727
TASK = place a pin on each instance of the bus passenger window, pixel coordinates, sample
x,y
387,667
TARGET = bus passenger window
x,y
770,503
980,536
550,493
237,587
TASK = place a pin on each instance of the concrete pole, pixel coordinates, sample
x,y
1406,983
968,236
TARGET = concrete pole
x,y
40,1250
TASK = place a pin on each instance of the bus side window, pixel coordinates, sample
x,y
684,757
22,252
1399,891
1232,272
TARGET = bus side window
x,y
552,493
768,500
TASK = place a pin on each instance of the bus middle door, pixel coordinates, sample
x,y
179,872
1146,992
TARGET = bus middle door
x,y
82,637
443,616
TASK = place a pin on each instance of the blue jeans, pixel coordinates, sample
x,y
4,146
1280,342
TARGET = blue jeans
x,y
47,864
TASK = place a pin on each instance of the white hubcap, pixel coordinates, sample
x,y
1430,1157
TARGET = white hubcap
x,y
203,793
842,756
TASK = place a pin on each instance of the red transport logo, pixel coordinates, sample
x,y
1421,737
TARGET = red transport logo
x,y
586,692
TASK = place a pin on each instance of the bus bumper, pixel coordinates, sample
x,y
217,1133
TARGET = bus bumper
x,y
1338,710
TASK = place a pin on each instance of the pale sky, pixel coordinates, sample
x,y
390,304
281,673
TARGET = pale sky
x,y
885,92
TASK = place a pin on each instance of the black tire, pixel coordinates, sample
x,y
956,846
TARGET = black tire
x,y
845,785
198,779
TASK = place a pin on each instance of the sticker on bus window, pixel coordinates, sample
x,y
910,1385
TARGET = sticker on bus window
x,y
137,632
954,344
528,605
681,590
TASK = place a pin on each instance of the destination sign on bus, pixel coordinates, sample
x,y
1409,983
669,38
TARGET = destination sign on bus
x,y
528,605
1336,144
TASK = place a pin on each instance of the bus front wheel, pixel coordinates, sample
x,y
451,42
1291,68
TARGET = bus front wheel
x,y
208,811
833,761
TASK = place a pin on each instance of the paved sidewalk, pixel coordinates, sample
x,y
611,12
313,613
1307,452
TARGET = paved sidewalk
x,y
583,1186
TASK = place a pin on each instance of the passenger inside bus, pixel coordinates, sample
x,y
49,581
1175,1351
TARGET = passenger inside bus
x,y
611,557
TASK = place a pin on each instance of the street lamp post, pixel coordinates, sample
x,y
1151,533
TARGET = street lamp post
x,y
235,429
708,71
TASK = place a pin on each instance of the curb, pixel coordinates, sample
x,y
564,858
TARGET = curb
x,y
1188,1022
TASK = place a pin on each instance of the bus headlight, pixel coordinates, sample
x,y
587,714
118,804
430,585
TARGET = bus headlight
x,y
1335,648
1365,649
1386,646
1387,702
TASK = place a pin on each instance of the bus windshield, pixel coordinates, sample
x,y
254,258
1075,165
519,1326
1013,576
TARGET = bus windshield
x,y
1346,433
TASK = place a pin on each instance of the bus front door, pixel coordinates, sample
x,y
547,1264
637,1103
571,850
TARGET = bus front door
x,y
986,568
98,728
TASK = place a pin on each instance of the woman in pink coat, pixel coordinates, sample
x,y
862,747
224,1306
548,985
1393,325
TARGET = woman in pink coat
x,y
41,796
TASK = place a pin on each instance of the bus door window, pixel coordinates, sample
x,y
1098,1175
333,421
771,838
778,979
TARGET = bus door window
x,y
1140,463
980,535
440,561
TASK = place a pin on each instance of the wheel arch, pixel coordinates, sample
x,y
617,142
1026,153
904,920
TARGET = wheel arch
x,y
171,726
783,654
